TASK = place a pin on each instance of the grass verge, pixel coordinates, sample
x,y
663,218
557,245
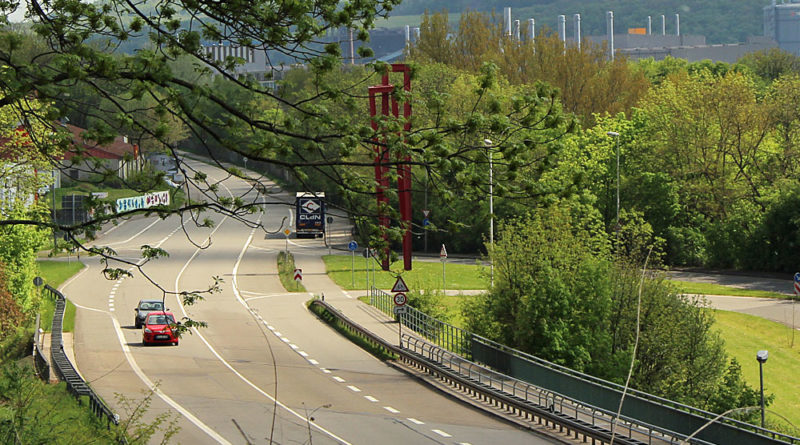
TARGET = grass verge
x,y
352,274
691,287
747,334
341,328
286,273
55,273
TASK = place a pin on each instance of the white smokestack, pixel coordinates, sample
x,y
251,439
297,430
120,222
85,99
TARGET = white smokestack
x,y
416,34
532,30
677,24
610,27
408,34
517,31
507,21
577,18
562,29
663,25
649,25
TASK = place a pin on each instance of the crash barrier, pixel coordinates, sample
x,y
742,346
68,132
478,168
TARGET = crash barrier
x,y
63,367
551,410
606,395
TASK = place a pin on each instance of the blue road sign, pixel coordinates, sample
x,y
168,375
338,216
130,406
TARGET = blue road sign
x,y
352,246
426,222
797,277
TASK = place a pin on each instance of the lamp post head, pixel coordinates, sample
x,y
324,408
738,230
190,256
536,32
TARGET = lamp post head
x,y
762,356
613,134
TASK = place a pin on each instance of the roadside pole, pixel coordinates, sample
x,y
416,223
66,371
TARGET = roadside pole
x,y
443,257
352,246
287,232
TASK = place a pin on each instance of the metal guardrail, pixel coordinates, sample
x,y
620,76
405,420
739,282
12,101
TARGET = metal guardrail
x,y
541,413
63,367
465,344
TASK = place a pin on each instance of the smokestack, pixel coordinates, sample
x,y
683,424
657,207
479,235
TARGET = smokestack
x,y
663,25
416,34
562,29
517,31
610,27
408,34
649,25
532,30
352,49
507,21
677,24
577,18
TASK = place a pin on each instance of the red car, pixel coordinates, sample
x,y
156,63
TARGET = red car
x,y
159,327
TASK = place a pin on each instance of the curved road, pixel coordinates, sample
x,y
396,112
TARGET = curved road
x,y
265,370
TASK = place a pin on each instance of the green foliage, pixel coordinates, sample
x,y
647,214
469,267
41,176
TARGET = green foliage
x,y
286,268
18,247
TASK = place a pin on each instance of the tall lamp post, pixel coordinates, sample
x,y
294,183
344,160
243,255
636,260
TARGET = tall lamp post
x,y
488,143
615,135
762,357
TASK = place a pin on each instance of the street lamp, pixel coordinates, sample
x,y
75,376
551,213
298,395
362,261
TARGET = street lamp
x,y
488,143
615,135
762,357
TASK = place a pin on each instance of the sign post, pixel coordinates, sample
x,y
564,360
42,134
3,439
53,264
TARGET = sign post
x,y
443,257
400,301
366,268
287,232
794,301
298,275
352,246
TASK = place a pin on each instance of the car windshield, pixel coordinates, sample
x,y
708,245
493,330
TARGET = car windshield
x,y
151,306
160,319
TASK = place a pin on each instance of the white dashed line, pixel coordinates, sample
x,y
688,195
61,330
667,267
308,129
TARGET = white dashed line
x,y
338,379
371,399
294,346
284,339
111,309
391,410
353,388
413,420
441,433
326,371
271,328
313,362
303,353
464,443
276,332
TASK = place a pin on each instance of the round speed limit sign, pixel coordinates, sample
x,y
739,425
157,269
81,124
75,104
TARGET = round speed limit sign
x,y
400,299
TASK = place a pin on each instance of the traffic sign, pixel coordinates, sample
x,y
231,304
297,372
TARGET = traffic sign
x,y
425,213
366,253
329,220
400,299
426,222
287,232
298,275
400,286
38,281
797,283
400,310
443,252
352,246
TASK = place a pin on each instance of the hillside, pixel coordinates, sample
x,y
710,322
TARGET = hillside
x,y
721,21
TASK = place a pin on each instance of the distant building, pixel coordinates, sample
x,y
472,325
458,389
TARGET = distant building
x,y
255,64
120,156
782,24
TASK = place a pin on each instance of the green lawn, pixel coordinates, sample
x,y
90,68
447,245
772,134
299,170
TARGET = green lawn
x,y
55,273
425,275
747,334
690,287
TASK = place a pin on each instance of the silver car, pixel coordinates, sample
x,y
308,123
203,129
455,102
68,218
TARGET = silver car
x,y
144,308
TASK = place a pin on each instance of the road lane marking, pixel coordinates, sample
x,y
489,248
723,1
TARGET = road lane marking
x,y
442,433
338,379
134,236
326,371
222,360
413,420
371,399
157,391
294,346
391,410
353,388
303,353
313,362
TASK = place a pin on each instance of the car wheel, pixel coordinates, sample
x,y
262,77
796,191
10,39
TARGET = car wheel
x,y
174,343
144,343
136,323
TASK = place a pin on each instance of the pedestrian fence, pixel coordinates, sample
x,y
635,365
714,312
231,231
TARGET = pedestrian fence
x,y
64,369
647,408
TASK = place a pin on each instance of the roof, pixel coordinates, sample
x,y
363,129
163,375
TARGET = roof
x,y
115,150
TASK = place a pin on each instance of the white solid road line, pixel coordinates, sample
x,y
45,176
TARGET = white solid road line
x,y
143,377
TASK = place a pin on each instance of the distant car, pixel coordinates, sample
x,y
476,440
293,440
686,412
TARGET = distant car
x,y
144,308
159,328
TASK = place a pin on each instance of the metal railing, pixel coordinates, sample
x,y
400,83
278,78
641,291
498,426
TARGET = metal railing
x,y
466,345
63,367
544,411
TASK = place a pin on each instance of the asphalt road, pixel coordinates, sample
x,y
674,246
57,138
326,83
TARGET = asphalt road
x,y
265,370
